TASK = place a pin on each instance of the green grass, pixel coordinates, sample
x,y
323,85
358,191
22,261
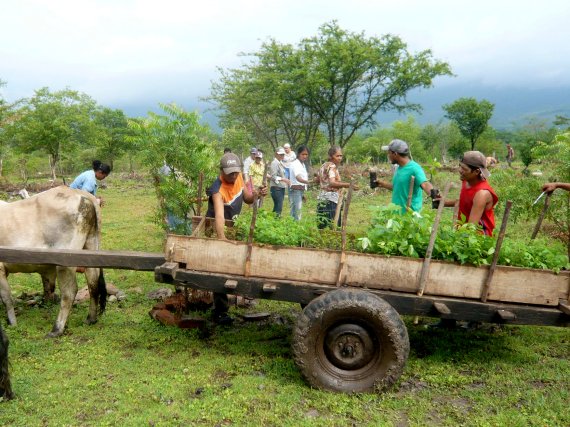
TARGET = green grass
x,y
129,370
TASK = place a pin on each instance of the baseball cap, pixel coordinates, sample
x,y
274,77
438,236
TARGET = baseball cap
x,y
280,150
259,154
253,150
397,146
287,145
230,163
476,159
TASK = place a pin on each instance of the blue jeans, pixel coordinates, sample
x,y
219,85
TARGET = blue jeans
x,y
277,194
296,202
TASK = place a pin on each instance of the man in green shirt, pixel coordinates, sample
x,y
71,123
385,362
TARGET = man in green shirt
x,y
399,154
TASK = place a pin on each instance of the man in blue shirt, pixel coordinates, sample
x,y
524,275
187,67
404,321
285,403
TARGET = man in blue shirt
x,y
399,154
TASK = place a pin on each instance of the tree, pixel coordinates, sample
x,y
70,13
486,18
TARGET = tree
x,y
55,123
112,131
470,116
178,141
347,78
337,81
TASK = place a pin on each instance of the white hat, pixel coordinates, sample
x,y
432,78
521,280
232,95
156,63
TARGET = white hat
x,y
280,150
259,154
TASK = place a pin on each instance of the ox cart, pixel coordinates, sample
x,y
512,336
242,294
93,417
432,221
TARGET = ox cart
x,y
350,336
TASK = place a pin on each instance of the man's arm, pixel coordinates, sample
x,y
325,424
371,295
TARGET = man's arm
x,y
219,215
385,184
427,187
549,187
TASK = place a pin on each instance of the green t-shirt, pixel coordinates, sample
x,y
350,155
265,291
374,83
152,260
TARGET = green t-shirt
x,y
401,186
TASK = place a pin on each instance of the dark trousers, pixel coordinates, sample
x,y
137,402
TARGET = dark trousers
x,y
278,195
325,213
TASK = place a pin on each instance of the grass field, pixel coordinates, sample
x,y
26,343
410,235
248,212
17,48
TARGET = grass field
x,y
128,370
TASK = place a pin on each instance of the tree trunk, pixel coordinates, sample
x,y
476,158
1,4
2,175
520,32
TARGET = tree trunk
x,y
52,166
1,165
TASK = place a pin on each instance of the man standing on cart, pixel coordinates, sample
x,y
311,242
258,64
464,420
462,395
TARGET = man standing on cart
x,y
225,199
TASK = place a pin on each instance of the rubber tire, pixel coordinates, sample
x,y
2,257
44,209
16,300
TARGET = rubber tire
x,y
349,310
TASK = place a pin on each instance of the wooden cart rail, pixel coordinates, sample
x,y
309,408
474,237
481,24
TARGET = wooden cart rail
x,y
122,260
319,266
404,303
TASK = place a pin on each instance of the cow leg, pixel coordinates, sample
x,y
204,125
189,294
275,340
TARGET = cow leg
x,y
6,296
68,290
5,385
48,280
92,276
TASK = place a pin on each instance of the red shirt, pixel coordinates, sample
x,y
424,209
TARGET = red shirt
x,y
466,197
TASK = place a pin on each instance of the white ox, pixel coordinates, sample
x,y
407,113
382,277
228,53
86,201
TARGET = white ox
x,y
60,218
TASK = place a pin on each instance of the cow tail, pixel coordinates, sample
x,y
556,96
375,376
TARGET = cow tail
x,y
102,291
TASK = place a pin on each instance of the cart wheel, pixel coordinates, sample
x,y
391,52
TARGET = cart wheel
x,y
350,340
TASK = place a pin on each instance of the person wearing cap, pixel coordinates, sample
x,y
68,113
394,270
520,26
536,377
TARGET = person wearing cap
x,y
225,199
279,181
247,163
477,198
227,194
399,154
257,169
510,154
288,159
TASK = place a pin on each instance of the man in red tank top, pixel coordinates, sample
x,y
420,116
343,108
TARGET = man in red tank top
x,y
477,198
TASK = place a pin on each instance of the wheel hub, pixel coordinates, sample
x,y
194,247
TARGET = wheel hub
x,y
349,346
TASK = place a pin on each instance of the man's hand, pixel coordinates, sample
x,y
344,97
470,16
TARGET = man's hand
x,y
262,191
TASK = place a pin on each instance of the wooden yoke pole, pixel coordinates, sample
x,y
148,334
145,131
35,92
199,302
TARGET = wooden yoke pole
x,y
429,250
541,217
343,236
410,192
487,284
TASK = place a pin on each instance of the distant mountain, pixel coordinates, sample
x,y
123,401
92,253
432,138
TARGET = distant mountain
x,y
512,105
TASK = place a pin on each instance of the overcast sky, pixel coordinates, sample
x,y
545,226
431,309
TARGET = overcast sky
x,y
127,52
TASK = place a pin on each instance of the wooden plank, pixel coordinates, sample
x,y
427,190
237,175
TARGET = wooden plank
x,y
122,260
564,307
511,284
404,303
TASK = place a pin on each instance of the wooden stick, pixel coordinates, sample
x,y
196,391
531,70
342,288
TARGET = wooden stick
x,y
343,236
250,237
541,217
199,202
429,250
337,211
410,192
488,280
263,182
